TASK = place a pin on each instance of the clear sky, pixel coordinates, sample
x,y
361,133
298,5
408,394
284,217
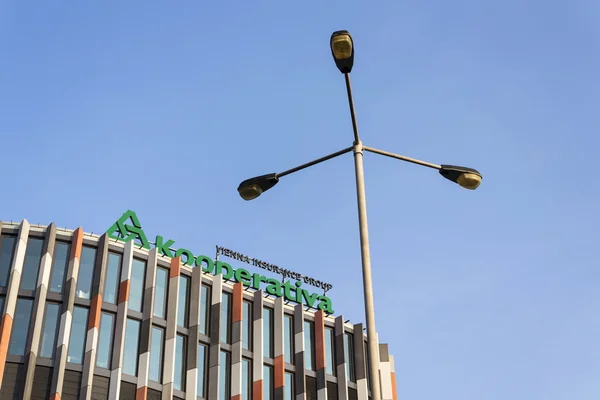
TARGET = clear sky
x,y
164,107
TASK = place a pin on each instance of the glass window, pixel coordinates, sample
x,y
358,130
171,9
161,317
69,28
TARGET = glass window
x,y
49,330
136,285
78,333
366,346
329,351
20,328
156,354
103,356
247,326
182,302
31,265
288,338
7,249
246,379
349,349
160,292
179,380
111,280
60,263
86,272
226,318
130,354
268,332
204,309
309,351
225,381
1,304
201,370
288,389
268,382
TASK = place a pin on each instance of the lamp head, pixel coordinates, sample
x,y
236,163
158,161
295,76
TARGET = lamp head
x,y
468,178
254,187
342,49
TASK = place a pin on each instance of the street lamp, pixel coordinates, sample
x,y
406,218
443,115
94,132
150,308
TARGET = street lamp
x,y
342,49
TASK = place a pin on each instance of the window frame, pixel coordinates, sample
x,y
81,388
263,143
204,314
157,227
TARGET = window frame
x,y
78,280
84,335
43,327
118,281
65,270
268,331
137,352
112,339
165,301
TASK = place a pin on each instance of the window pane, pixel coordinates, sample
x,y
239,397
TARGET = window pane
x,y
7,249
246,379
31,265
179,381
49,330
201,370
86,272
105,340
60,263
349,349
77,338
160,292
288,338
182,302
156,354
111,280
268,382
247,326
20,328
329,351
288,389
225,317
366,346
268,332
130,355
1,304
309,334
204,309
136,288
224,382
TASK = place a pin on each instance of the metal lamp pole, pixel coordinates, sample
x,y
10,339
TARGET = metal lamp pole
x,y
342,49
365,251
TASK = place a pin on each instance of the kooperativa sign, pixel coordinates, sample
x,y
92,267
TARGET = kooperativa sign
x,y
128,228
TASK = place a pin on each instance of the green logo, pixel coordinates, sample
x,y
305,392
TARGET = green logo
x,y
126,232
128,228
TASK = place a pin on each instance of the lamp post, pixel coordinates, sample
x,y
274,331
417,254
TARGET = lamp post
x,y
342,49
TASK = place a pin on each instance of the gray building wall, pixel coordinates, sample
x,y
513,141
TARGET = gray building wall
x,y
28,375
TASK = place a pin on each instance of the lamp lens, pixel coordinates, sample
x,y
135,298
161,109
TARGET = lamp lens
x,y
469,181
250,192
341,46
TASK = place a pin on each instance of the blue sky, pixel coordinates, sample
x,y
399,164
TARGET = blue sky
x,y
164,107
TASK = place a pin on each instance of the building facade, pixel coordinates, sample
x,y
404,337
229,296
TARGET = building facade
x,y
90,317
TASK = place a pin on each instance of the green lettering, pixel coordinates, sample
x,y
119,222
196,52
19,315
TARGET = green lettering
x,y
163,248
325,304
189,256
219,270
274,287
287,291
256,280
205,260
298,292
309,299
242,275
